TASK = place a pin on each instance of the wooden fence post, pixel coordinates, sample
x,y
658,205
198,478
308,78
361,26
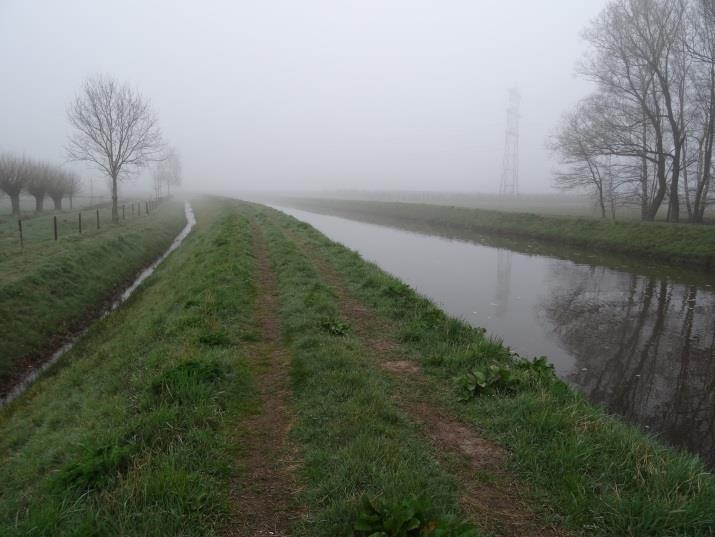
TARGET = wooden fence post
x,y
147,207
80,222
19,225
54,218
97,217
124,214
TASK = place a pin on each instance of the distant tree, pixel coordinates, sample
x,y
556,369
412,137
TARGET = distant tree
x,y
115,129
38,182
57,187
73,185
13,178
167,172
159,180
173,167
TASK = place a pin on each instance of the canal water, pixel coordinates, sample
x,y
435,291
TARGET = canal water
x,y
639,340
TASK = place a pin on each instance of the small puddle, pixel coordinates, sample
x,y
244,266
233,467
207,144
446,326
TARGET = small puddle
x,y
31,377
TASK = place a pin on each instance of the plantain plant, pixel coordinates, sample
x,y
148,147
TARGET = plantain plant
x,y
407,518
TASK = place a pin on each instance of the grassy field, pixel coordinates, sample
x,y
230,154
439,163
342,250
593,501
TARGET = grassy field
x,y
27,203
683,244
38,228
49,289
267,379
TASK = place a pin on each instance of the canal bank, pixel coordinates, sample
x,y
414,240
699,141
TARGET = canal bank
x,y
685,245
637,339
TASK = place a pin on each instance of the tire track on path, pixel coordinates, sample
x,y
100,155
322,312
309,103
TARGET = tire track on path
x,y
264,496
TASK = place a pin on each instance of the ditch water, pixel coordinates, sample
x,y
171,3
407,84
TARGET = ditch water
x,y
635,338
33,375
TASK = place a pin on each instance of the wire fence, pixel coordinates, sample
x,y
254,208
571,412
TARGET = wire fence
x,y
21,232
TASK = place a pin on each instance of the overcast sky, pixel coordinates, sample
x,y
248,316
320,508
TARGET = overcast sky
x,y
377,94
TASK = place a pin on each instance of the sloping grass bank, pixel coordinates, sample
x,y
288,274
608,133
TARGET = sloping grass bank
x,y
681,244
132,433
602,476
51,289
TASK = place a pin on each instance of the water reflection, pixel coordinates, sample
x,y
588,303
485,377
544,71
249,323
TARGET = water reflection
x,y
636,338
501,296
644,348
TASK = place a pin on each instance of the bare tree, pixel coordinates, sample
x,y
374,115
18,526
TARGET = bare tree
x,y
57,187
13,179
575,143
167,172
643,73
700,44
116,130
37,182
173,170
158,176
73,185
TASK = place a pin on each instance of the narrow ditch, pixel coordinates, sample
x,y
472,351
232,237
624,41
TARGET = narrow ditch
x,y
25,382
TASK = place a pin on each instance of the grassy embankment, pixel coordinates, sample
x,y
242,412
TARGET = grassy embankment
x,y
48,289
127,435
141,429
682,244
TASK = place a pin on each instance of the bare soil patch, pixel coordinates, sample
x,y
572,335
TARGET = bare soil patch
x,y
401,366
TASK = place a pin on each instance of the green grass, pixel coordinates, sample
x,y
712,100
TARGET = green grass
x,y
133,432
137,430
353,439
602,476
50,289
683,244
38,228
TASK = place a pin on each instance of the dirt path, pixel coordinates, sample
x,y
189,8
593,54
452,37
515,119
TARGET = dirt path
x,y
265,496
490,495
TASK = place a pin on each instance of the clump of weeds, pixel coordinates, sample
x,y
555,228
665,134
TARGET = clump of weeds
x,y
215,339
406,518
335,327
505,378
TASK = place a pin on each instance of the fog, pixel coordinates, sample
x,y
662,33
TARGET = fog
x,y
407,94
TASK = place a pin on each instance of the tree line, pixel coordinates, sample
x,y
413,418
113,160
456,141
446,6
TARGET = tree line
x,y
644,137
115,129
39,179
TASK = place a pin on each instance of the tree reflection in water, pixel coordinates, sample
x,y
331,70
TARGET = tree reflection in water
x,y
644,348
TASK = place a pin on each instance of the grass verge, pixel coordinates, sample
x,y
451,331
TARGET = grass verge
x,y
681,244
50,290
